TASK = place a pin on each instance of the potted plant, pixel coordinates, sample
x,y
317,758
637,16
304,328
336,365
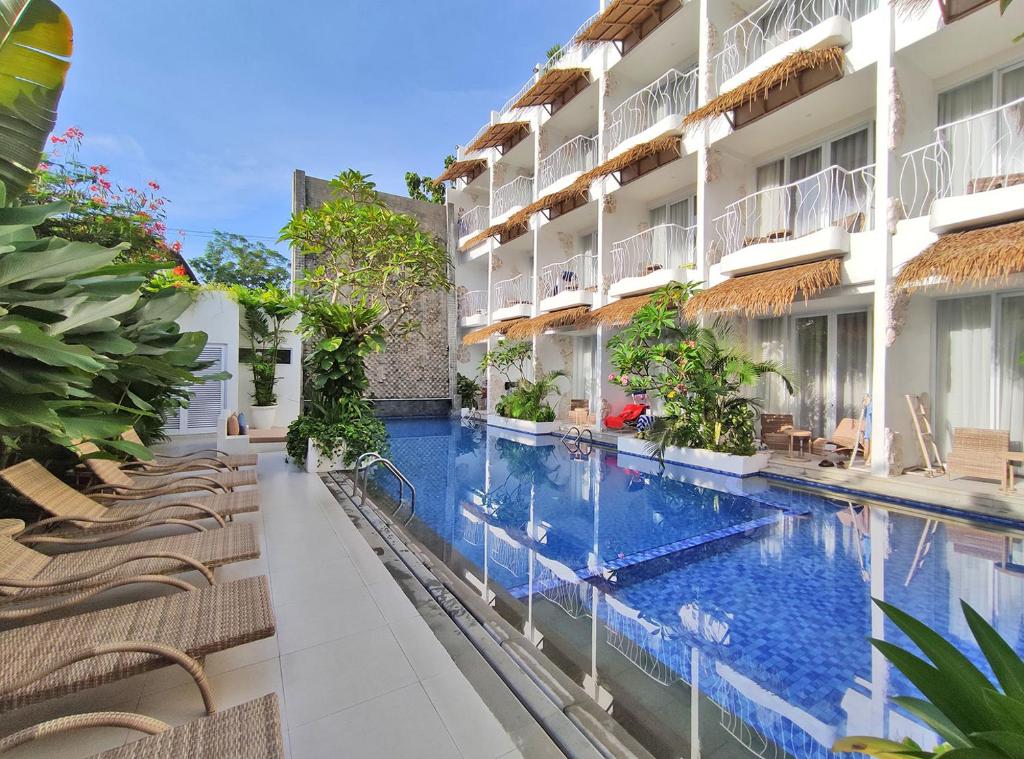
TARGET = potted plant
x,y
524,407
264,313
469,391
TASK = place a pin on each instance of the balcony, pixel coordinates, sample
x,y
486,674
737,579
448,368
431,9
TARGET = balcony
x,y
564,166
510,197
780,28
972,175
656,110
513,298
803,221
569,283
652,259
472,222
473,308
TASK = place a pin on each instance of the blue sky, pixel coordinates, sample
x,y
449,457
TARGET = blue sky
x,y
219,100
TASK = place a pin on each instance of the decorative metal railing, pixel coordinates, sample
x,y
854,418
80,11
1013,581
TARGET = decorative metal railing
x,y
572,596
576,273
472,303
666,246
474,220
514,194
578,154
508,554
834,197
672,94
646,644
974,154
773,23
513,292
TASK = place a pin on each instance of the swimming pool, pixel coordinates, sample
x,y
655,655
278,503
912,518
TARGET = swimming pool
x,y
706,613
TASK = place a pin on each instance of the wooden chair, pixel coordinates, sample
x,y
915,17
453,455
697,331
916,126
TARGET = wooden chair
x,y
771,430
978,453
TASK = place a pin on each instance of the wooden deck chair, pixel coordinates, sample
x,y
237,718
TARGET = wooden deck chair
x,y
248,731
978,453
28,574
78,518
63,656
771,430
196,459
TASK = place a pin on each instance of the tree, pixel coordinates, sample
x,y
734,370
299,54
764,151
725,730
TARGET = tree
x,y
231,259
423,188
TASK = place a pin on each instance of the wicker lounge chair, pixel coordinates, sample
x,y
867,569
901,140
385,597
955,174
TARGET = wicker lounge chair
x,y
26,573
248,731
198,459
772,426
112,477
75,653
76,516
978,453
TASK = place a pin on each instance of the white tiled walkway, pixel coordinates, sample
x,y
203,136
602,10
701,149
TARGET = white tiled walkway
x,y
357,668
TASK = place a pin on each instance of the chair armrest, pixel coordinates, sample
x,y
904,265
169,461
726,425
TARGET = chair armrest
x,y
71,579
138,722
105,537
27,612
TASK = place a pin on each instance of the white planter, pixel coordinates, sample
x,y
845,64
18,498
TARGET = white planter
x,y
521,425
740,466
262,417
318,463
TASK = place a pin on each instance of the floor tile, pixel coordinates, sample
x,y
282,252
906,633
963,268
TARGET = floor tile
x,y
423,650
476,731
312,581
301,625
392,602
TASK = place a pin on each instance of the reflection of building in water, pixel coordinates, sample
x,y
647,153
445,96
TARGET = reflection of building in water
x,y
472,528
560,585
508,553
646,643
982,572
710,626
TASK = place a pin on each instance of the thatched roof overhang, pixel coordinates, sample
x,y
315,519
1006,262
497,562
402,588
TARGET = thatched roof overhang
x,y
615,314
461,169
484,333
527,328
498,134
552,85
977,256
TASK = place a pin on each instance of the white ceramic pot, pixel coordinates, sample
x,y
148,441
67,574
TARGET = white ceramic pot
x,y
262,417
315,462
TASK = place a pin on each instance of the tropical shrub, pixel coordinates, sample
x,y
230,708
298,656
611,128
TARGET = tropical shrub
x,y
354,429
974,716
469,391
527,400
263,315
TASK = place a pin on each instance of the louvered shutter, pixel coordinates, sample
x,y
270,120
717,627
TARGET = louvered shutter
x,y
209,398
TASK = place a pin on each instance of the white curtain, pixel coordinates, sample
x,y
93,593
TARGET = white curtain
x,y
812,373
852,363
1011,373
769,213
968,144
963,383
808,194
851,193
771,339
583,368
1011,123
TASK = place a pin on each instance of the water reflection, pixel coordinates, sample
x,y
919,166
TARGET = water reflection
x,y
711,616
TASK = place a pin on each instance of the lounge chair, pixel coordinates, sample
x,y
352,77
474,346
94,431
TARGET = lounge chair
x,y
199,458
26,573
76,516
844,437
113,478
628,417
978,453
772,426
75,653
248,731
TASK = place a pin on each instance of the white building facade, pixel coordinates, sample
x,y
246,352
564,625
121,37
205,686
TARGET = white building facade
x,y
860,137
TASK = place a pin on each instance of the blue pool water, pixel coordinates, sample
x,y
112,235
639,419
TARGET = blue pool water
x,y
702,610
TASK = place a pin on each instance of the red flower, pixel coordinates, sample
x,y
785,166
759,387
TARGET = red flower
x,y
178,271
153,184
176,246
103,183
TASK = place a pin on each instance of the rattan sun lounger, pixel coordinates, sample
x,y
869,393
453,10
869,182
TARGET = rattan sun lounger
x,y
76,515
27,574
204,458
72,654
248,731
978,453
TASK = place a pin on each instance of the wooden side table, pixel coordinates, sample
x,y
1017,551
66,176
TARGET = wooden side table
x,y
11,527
1009,459
801,436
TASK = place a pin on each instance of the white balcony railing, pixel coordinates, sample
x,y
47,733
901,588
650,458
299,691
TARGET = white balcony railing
x,y
672,94
975,154
513,292
472,303
573,274
474,220
834,197
666,246
514,194
772,24
577,155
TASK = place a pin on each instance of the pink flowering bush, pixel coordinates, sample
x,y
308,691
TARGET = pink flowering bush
x,y
103,210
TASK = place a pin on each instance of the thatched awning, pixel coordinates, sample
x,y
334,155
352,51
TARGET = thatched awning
x,y
498,134
509,228
619,20
575,190
481,335
527,328
782,72
644,150
460,169
972,257
617,314
768,293
550,86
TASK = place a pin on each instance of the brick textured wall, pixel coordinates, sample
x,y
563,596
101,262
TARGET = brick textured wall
x,y
420,366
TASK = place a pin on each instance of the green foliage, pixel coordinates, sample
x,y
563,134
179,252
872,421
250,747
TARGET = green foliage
x,y
974,716
231,259
423,188
553,51
352,426
528,400
35,43
696,371
263,315
508,359
469,390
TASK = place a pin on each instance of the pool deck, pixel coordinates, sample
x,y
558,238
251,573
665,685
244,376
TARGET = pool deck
x,y
359,668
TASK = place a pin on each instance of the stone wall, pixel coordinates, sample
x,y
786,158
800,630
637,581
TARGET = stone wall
x,y
420,367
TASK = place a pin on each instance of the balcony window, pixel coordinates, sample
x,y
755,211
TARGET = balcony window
x,y
672,94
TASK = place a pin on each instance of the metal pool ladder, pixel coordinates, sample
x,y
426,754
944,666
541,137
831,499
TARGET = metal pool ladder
x,y
576,445
368,461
